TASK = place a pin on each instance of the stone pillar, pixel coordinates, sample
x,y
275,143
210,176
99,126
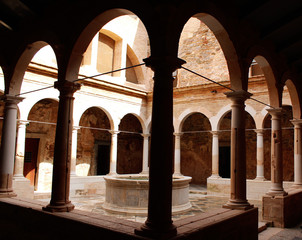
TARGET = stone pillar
x,y
276,154
146,154
215,155
260,155
177,155
238,152
8,143
159,220
62,153
20,150
113,152
74,146
297,153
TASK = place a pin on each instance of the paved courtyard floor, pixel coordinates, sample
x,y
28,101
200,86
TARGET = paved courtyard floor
x,y
200,203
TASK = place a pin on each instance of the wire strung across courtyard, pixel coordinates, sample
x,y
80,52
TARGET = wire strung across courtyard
x,y
137,65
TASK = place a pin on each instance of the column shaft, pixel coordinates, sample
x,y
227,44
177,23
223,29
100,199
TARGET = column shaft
x,y
20,149
62,153
146,154
113,152
177,154
238,152
215,154
297,153
74,151
159,221
260,155
8,143
276,154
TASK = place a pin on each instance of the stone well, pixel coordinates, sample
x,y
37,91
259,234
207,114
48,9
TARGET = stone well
x,y
128,194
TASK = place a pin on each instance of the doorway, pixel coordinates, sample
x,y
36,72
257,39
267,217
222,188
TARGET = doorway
x,y
102,151
30,159
225,161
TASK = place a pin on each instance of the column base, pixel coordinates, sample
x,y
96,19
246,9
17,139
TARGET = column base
x,y
177,174
7,194
214,176
238,205
297,186
276,193
260,179
146,230
66,207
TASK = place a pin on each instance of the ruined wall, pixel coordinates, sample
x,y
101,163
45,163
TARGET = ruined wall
x,y
88,138
200,49
130,146
196,158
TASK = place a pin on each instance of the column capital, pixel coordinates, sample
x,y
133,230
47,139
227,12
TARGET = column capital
x,y
296,122
258,131
215,133
114,132
145,135
76,128
164,62
274,112
22,123
177,134
240,95
11,98
67,87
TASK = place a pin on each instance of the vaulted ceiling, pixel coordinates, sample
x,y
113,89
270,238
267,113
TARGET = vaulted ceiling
x,y
276,21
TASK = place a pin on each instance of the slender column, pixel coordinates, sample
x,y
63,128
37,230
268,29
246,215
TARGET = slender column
x,y
113,152
215,154
276,154
260,155
62,153
7,150
238,157
177,155
74,146
20,149
159,221
145,154
298,153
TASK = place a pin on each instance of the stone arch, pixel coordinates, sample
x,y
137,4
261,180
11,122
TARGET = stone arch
x,y
182,117
130,145
93,145
229,50
294,97
140,119
40,134
85,38
196,158
273,91
15,83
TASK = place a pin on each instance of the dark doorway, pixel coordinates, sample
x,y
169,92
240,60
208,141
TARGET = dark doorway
x,y
30,159
225,161
102,158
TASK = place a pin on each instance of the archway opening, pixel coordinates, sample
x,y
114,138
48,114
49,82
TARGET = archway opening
x,y
196,158
130,145
93,146
39,144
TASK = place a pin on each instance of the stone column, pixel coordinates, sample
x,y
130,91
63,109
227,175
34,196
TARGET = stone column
x,y
8,143
62,152
20,150
74,146
276,154
260,155
113,152
159,221
177,155
215,155
238,157
146,154
297,153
